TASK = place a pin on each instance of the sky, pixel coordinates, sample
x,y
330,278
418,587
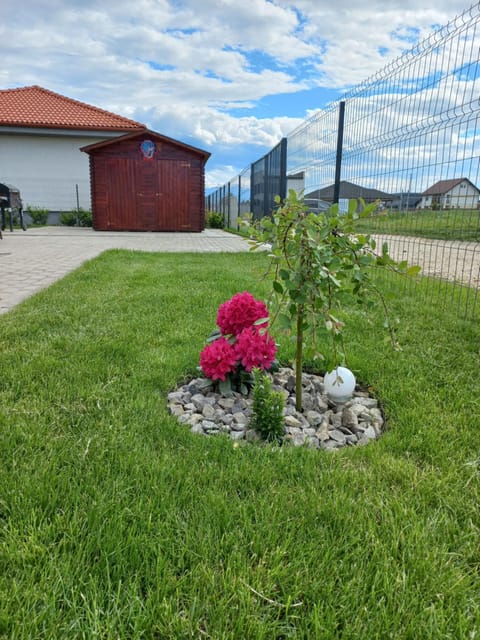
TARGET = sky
x,y
228,76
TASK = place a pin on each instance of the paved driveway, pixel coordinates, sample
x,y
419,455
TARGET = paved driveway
x,y
33,259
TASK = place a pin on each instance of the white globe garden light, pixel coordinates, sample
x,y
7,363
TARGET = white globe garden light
x,y
339,385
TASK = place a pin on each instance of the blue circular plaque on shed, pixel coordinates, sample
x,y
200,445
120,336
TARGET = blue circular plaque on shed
x,y
147,147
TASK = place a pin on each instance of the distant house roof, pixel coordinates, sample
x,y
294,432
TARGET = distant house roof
x,y
444,186
349,190
40,108
296,176
404,199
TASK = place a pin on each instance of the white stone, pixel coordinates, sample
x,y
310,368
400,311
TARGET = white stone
x,y
291,421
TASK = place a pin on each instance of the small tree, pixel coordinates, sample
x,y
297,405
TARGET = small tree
x,y
318,264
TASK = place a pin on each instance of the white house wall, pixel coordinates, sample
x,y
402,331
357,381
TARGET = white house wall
x,y
47,168
462,196
297,184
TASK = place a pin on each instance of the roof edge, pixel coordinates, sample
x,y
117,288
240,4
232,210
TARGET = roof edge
x,y
33,125
105,143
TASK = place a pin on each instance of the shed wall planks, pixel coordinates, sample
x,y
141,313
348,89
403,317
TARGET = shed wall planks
x,y
134,193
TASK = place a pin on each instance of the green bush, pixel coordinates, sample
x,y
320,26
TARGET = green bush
x,y
267,408
214,220
38,215
68,218
84,218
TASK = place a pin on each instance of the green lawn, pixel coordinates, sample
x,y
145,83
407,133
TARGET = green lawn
x,y
115,522
455,224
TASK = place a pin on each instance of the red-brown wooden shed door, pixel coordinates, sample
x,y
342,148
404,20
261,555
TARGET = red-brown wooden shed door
x,y
163,195
148,195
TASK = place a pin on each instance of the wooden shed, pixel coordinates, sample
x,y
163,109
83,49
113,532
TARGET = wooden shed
x,y
144,181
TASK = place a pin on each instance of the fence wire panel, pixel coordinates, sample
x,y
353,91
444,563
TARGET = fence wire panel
x,y
231,217
311,150
231,200
411,142
244,204
268,180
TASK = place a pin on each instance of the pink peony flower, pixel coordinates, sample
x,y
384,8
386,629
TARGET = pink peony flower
x,y
255,349
240,312
217,359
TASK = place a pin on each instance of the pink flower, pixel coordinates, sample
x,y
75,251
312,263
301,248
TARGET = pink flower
x,y
217,359
255,349
240,312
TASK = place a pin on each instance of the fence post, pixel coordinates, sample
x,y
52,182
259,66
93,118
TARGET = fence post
x,y
338,164
266,185
252,192
228,205
238,200
283,169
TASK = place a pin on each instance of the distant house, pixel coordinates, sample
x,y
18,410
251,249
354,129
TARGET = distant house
x,y
296,181
41,133
403,201
458,193
349,191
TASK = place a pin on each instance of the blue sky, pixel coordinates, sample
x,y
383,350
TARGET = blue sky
x,y
229,77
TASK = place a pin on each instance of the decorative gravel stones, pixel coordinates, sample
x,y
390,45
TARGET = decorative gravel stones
x,y
322,424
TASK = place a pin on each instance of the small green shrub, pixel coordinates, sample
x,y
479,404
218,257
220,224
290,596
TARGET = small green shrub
x,y
214,220
267,408
84,218
68,218
38,215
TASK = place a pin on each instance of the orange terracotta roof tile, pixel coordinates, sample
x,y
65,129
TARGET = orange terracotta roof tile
x,y
37,107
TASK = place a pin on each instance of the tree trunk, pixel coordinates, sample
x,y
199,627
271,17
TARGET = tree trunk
x,y
299,358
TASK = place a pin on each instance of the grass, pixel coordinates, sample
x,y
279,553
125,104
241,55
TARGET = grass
x,y
115,522
455,224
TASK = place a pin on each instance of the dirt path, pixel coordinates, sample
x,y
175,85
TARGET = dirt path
x,y
448,259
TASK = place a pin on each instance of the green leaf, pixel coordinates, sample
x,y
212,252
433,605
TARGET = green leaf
x,y
204,384
414,270
215,335
225,387
352,206
277,286
298,296
284,322
336,282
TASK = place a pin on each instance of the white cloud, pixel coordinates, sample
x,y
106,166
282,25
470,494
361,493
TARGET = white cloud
x,y
227,130
197,70
220,175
